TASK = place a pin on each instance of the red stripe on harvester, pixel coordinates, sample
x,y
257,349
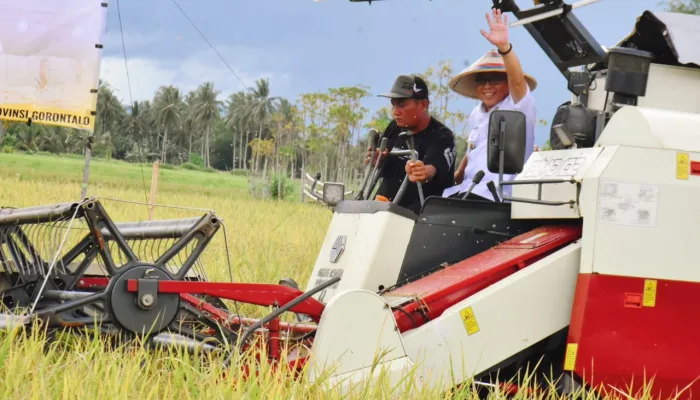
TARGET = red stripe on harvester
x,y
443,289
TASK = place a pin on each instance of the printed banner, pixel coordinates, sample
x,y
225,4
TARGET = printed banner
x,y
50,57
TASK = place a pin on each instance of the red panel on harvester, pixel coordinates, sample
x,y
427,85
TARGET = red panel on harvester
x,y
625,328
445,288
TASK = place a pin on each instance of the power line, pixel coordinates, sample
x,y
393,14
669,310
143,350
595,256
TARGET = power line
x,y
210,45
128,79
131,97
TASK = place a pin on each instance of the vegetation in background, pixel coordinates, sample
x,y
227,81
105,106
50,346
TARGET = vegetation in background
x,y
684,6
248,131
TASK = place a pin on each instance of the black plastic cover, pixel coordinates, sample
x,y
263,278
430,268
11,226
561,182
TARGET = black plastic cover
x,y
450,230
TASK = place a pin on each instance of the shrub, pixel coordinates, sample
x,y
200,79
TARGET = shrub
x,y
287,187
190,166
197,160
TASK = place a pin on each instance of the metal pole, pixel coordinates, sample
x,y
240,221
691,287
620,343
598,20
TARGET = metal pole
x,y
86,168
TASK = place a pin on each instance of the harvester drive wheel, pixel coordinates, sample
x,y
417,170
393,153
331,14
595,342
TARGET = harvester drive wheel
x,y
144,312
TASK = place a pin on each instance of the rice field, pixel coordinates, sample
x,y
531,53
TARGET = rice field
x,y
266,240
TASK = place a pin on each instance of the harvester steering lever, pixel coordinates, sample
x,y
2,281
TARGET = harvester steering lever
x,y
494,193
414,157
477,178
375,171
372,137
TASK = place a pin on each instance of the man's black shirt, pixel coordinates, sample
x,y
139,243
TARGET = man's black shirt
x,y
435,146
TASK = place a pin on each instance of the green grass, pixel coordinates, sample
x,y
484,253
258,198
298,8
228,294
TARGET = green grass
x,y
112,174
267,240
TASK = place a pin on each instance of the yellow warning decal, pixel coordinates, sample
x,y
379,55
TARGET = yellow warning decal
x,y
649,299
570,360
682,165
469,320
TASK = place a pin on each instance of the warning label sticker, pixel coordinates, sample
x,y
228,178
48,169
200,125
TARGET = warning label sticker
x,y
469,321
682,165
629,204
570,360
649,299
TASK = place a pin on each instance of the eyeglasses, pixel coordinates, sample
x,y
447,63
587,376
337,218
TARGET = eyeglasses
x,y
483,79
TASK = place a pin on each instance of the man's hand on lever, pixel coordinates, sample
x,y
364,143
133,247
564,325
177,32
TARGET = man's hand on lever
x,y
419,172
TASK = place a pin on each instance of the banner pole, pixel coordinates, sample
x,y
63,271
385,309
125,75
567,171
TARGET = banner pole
x,y
86,168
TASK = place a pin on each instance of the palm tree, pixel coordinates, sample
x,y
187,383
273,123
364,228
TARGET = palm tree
x,y
206,109
238,108
110,112
262,107
168,108
190,124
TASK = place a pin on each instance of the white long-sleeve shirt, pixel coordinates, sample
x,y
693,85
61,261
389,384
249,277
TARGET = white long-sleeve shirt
x,y
478,158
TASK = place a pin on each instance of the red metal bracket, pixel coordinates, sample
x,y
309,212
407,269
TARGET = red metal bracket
x,y
252,293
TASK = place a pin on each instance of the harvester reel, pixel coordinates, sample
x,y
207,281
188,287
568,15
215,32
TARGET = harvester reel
x,y
69,265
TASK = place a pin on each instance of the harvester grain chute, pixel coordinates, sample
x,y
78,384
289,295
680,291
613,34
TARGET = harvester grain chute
x,y
585,271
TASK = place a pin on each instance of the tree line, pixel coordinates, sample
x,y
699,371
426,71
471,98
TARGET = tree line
x,y
266,137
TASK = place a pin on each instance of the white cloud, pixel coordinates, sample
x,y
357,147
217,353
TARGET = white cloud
x,y
112,41
148,74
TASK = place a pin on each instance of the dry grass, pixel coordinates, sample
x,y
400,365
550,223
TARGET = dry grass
x,y
267,241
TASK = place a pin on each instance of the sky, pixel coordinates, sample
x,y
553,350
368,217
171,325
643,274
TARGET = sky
x,y
306,46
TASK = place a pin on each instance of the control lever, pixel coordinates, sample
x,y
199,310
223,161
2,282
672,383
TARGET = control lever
x,y
375,172
372,138
405,182
494,193
477,179
414,157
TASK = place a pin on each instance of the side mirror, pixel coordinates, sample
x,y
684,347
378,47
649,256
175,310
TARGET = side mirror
x,y
507,140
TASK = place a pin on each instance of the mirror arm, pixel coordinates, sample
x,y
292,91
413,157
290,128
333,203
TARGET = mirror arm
x,y
539,182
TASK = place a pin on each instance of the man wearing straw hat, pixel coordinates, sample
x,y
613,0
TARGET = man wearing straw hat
x,y
497,79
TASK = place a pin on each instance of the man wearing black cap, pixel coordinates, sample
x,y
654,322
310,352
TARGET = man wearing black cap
x,y
434,142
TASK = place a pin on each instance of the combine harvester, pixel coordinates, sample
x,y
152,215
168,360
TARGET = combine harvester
x,y
589,271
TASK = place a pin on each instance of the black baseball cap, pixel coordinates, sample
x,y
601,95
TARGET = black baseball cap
x,y
408,87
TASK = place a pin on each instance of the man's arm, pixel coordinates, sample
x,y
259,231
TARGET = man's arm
x,y
498,36
459,173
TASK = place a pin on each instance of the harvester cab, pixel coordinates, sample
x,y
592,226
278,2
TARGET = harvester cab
x,y
594,242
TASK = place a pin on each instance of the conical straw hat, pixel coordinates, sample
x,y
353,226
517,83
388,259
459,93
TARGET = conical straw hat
x,y
464,82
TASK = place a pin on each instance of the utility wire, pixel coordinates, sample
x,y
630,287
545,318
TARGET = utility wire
x,y
131,97
210,45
